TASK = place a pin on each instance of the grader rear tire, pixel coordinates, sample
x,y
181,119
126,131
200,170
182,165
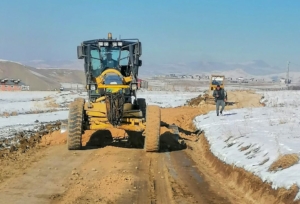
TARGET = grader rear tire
x,y
152,130
75,126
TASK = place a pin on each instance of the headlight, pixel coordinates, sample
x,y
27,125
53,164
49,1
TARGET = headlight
x,y
133,86
100,44
120,44
93,87
106,44
115,44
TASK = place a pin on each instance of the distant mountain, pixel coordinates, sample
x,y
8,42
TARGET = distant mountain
x,y
49,74
255,67
55,64
40,79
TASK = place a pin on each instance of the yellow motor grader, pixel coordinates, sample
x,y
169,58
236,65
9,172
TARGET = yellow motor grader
x,y
111,67
214,81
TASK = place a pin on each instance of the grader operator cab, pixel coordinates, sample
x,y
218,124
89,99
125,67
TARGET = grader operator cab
x,y
111,67
214,81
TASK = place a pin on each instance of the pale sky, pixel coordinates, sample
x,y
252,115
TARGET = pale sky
x,y
175,31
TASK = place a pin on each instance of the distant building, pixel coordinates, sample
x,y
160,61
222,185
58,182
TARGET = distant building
x,y
12,85
71,86
282,81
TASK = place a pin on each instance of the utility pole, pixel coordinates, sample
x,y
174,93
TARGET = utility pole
x,y
287,73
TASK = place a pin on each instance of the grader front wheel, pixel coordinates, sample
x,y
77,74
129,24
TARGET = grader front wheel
x,y
75,126
152,130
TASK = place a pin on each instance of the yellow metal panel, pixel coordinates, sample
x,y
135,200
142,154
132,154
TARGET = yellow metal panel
x,y
100,99
100,79
130,127
127,80
102,126
95,114
97,110
98,119
111,70
113,86
96,107
131,124
113,90
125,120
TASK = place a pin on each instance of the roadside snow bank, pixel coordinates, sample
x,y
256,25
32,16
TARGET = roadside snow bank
x,y
254,138
281,98
9,126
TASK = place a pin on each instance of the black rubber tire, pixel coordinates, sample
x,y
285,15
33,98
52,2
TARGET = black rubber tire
x,y
75,125
152,139
142,106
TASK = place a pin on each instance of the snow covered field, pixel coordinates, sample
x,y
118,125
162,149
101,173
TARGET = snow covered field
x,y
32,102
26,110
254,138
281,98
166,99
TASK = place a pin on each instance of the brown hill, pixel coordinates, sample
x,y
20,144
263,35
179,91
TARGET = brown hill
x,y
40,79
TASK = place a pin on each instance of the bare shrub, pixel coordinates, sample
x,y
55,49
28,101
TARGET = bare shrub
x,y
284,162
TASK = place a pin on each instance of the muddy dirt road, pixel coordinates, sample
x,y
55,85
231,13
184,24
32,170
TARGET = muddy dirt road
x,y
116,173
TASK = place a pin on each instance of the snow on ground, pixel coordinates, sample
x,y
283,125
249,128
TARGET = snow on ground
x,y
281,98
13,124
26,110
166,98
253,138
21,110
16,96
25,102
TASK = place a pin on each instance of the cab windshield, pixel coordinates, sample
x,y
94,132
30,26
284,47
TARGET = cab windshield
x,y
107,57
217,80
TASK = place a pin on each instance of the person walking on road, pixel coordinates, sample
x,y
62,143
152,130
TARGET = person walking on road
x,y
220,98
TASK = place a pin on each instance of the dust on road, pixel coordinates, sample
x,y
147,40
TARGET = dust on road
x,y
118,173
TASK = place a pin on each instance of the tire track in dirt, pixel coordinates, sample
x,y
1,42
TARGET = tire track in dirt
x,y
192,184
43,179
